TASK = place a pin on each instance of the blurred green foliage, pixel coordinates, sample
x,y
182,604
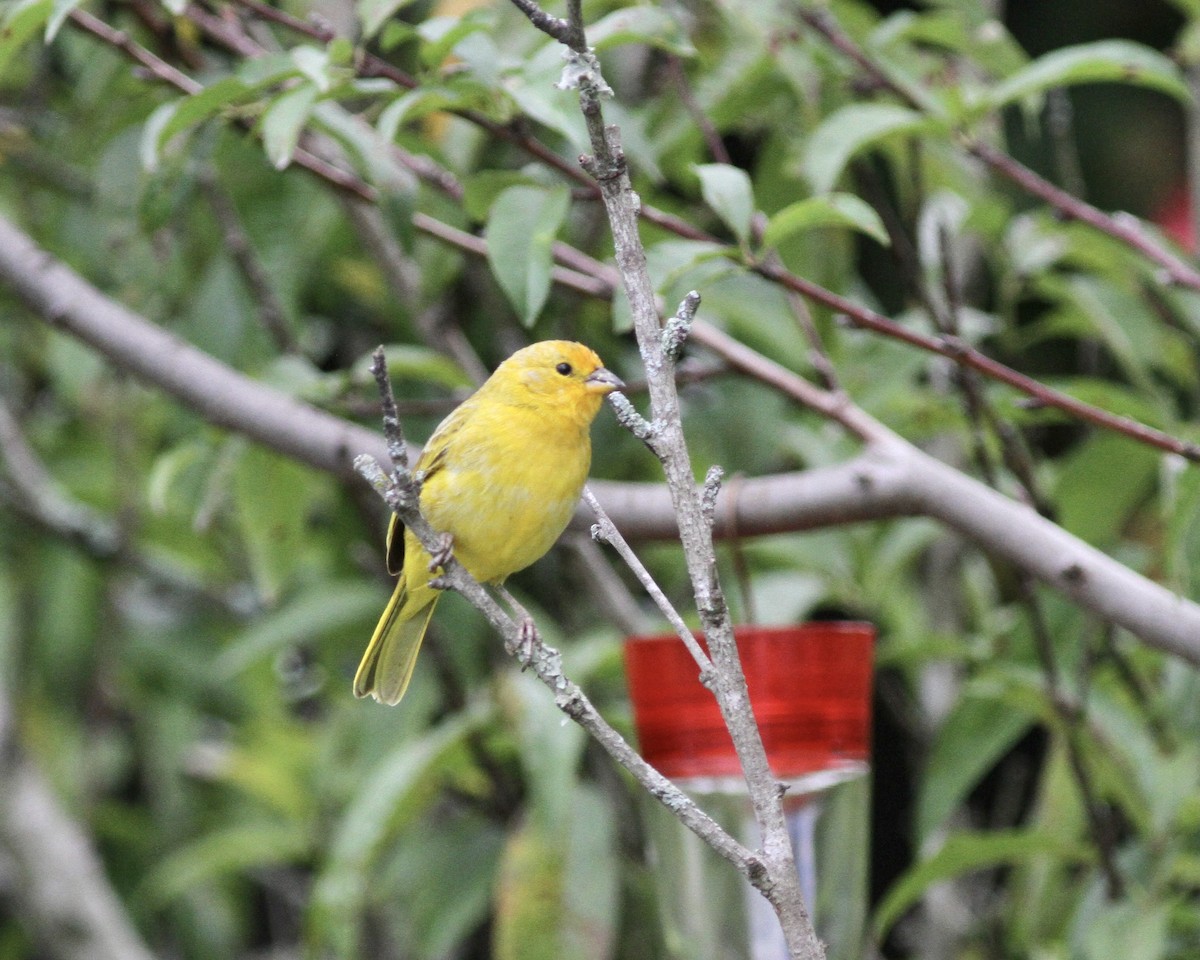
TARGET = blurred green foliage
x,y
194,709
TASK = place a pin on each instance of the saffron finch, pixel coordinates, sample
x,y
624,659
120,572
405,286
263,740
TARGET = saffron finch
x,y
502,475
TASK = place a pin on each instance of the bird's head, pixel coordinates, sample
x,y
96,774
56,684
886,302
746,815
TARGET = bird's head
x,y
564,375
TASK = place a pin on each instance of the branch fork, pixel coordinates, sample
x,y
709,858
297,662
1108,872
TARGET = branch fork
x,y
400,491
776,877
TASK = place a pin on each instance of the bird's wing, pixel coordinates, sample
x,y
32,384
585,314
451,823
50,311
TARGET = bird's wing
x,y
432,460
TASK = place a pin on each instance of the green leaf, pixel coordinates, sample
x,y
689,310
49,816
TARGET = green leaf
x,y
1112,61
843,134
968,33
528,921
440,35
323,609
728,192
20,22
168,470
1134,930
373,14
174,118
314,63
520,233
449,878
226,852
966,853
408,362
58,16
283,122
481,189
1187,43
590,877
559,899
1119,316
367,150
268,69
533,87
268,771
827,210
415,104
550,749
274,524
148,150
975,735
203,104
1102,484
653,26
396,789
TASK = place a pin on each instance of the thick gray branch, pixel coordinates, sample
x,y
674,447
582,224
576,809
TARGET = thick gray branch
x,y
56,876
891,479
215,391
59,881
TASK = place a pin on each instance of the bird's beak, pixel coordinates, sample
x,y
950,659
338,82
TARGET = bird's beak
x,y
603,380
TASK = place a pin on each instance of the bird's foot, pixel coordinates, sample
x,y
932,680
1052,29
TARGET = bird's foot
x,y
528,641
528,638
441,554
518,611
438,558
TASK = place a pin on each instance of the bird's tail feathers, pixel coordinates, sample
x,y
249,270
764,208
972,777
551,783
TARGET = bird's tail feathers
x,y
387,666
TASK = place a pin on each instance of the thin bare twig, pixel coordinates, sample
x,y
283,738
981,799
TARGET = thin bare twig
x,y
712,136
600,285
779,881
615,600
605,530
892,478
963,353
1073,719
554,27
1122,227
818,356
262,290
120,40
401,492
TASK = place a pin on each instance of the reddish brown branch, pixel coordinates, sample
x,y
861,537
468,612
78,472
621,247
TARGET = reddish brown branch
x,y
601,285
120,40
1123,227
962,353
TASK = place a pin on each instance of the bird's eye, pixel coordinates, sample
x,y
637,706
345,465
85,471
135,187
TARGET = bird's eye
x,y
564,369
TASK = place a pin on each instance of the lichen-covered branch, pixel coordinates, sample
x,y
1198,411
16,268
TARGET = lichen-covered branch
x,y
400,489
779,883
892,478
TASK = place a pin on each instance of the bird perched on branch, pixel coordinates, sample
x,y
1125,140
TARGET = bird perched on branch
x,y
502,474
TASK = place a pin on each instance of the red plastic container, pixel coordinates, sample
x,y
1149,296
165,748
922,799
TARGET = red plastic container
x,y
810,687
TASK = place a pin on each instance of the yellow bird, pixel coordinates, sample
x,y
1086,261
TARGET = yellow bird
x,y
502,475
